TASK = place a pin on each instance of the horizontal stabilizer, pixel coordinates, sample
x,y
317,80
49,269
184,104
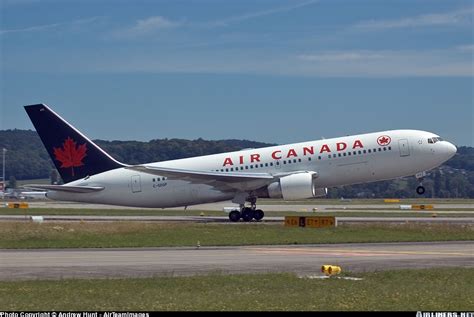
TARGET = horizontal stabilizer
x,y
65,188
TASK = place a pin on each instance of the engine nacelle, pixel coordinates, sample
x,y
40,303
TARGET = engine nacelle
x,y
296,186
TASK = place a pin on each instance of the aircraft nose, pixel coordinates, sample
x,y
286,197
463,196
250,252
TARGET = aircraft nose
x,y
450,149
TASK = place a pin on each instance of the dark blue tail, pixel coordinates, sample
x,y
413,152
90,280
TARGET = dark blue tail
x,y
73,154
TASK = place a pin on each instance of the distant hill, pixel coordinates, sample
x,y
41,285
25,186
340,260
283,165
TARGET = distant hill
x,y
27,159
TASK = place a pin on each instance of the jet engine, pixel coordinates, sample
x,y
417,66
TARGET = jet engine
x,y
296,186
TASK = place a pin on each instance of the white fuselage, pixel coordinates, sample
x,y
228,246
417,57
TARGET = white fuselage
x,y
338,161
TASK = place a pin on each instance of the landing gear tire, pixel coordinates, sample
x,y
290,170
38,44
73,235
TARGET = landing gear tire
x,y
258,214
420,190
247,214
234,215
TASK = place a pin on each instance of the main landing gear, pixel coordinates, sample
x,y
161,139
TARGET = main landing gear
x,y
247,213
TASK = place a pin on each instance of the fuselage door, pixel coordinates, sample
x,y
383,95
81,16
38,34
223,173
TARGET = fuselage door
x,y
404,148
136,184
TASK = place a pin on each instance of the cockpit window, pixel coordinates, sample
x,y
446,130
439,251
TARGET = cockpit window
x,y
434,139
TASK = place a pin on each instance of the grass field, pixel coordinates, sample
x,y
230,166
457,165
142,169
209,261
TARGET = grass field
x,y
142,234
449,289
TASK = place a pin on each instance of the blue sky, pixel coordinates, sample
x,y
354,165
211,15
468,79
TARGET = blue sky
x,y
276,71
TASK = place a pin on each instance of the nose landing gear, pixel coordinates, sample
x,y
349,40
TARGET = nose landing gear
x,y
420,190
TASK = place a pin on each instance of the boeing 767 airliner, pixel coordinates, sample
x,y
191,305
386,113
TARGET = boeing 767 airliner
x,y
292,171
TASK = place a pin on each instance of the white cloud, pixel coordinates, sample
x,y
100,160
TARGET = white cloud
x,y
152,24
451,62
148,26
456,17
389,63
358,63
43,27
257,14
466,48
341,56
31,28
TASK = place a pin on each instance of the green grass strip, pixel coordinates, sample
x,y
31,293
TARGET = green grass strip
x,y
445,289
142,234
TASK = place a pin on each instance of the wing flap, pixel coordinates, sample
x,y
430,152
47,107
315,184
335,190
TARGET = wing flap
x,y
224,181
202,175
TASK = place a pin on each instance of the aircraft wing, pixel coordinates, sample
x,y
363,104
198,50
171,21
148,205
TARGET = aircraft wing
x,y
222,181
65,188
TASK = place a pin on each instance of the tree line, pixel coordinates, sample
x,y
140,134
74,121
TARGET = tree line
x,y
27,158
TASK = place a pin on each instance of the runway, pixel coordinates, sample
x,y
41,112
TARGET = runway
x,y
304,259
225,219
305,206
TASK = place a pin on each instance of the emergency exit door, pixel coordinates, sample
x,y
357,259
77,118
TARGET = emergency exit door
x,y
404,148
136,184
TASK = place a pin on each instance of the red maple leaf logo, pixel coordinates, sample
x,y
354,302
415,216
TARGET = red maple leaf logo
x,y
384,140
70,155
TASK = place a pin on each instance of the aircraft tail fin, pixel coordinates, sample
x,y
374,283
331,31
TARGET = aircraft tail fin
x,y
74,155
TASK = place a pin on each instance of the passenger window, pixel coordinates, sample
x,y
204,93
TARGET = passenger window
x,y
385,149
389,148
319,157
309,159
380,150
241,168
271,164
266,164
360,152
277,163
365,151
299,160
370,151
251,166
294,160
329,156
226,169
